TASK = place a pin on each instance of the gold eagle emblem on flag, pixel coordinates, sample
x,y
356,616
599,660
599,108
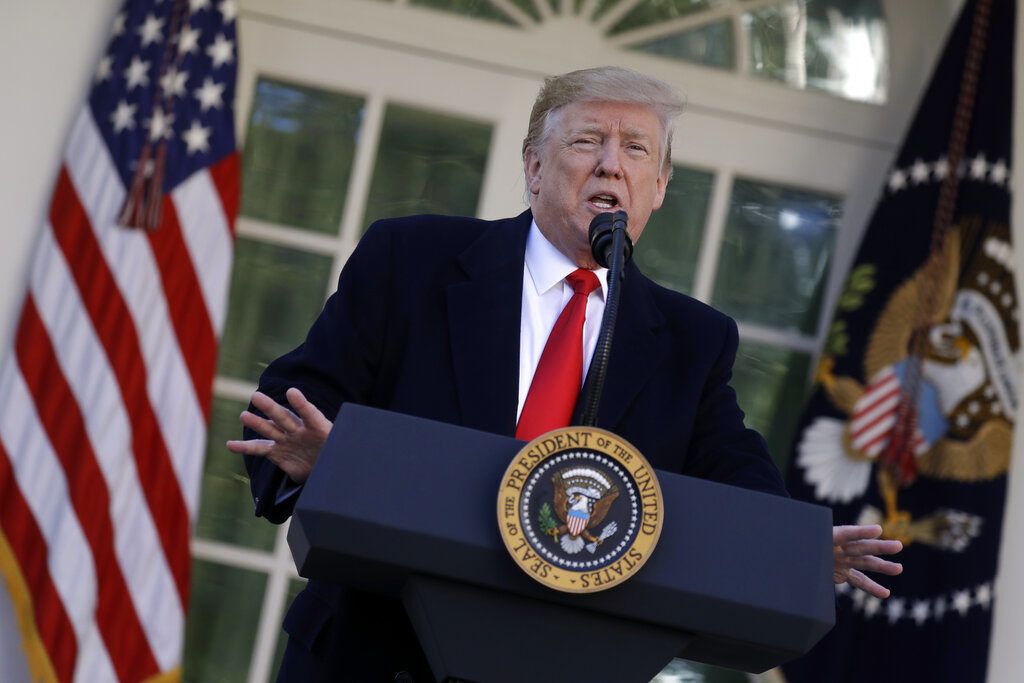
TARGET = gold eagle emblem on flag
x,y
964,395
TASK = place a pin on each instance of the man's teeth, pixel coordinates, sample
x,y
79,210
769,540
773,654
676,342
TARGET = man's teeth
x,y
603,201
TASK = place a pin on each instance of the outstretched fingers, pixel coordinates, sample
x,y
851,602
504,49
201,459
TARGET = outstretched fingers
x,y
250,446
859,580
872,547
262,426
842,535
310,415
284,419
876,564
291,440
856,549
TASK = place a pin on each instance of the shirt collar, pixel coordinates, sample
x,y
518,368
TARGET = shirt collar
x,y
548,267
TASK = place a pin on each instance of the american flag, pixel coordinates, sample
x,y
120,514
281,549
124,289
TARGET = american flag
x,y
874,415
107,383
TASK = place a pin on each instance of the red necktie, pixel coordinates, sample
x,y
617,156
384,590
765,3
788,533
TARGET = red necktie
x,y
556,382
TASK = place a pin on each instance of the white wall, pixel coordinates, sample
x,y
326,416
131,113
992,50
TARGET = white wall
x,y
48,49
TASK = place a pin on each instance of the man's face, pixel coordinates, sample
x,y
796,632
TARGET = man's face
x,y
599,156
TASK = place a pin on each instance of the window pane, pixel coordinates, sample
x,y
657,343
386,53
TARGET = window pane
x,y
478,9
298,155
294,586
226,508
775,255
221,629
649,12
839,46
276,293
668,248
602,7
711,45
530,8
427,163
771,384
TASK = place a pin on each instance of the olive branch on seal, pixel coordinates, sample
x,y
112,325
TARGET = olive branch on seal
x,y
545,519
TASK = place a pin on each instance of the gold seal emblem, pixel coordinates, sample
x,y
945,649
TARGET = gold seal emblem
x,y
580,509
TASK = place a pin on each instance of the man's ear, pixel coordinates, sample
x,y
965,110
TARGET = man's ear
x,y
662,185
531,166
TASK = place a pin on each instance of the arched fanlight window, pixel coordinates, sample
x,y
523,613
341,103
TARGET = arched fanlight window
x,y
835,46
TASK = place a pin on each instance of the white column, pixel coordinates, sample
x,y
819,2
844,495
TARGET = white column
x,y
1006,657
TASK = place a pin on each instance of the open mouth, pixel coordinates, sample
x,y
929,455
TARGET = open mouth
x,y
605,202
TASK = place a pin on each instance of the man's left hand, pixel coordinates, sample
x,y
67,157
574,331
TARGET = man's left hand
x,y
855,549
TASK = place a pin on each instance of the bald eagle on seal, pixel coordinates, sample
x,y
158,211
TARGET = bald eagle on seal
x,y
583,496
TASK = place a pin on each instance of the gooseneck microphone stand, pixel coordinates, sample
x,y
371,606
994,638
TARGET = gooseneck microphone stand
x,y
612,248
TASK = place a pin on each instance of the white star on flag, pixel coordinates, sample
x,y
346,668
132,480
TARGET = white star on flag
x,y
999,172
871,606
962,602
920,611
983,597
210,95
118,25
229,9
188,41
196,5
979,167
151,30
197,138
103,70
898,180
919,172
941,168
894,609
173,81
137,73
123,117
221,50
161,125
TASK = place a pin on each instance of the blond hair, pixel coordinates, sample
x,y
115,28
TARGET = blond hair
x,y
603,84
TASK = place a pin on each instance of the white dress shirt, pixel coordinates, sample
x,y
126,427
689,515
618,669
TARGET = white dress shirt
x,y
545,294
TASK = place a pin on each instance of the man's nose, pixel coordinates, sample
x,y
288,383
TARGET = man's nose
x,y
609,163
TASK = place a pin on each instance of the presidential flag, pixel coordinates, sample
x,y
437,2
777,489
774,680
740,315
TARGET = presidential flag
x,y
107,381
911,419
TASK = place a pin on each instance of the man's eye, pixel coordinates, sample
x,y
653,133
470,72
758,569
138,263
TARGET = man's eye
x,y
638,149
584,142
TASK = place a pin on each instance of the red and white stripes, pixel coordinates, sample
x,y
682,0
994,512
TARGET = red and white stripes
x,y
107,389
874,416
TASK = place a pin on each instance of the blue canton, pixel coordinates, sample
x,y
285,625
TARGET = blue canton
x,y
168,74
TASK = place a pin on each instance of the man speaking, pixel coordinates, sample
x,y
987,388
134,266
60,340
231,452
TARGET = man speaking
x,y
492,325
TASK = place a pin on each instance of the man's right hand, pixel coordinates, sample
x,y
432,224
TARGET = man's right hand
x,y
292,440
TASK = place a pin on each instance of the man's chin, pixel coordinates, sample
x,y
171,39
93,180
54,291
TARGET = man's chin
x,y
584,258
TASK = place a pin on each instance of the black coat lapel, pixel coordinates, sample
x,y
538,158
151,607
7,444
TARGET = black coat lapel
x,y
483,322
637,350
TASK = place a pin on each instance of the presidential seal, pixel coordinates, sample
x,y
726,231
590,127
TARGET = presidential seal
x,y
580,509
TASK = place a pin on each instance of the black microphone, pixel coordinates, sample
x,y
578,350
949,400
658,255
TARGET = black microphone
x,y
602,231
611,247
